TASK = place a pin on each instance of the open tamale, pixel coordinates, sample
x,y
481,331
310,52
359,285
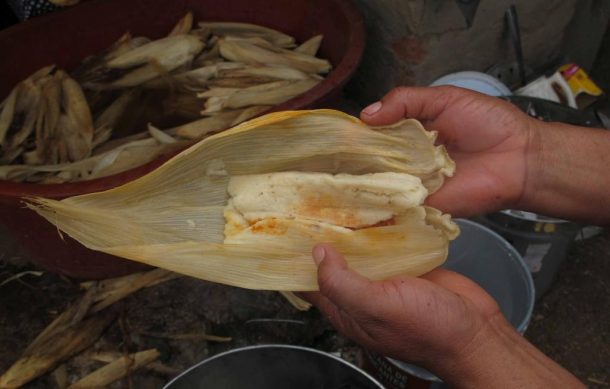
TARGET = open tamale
x,y
244,207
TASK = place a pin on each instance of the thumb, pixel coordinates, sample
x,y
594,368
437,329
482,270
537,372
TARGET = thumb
x,y
342,286
422,103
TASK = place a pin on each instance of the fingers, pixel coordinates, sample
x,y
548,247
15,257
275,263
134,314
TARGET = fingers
x,y
340,285
422,103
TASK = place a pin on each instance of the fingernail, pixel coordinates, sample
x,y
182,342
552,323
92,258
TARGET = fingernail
x,y
373,108
318,254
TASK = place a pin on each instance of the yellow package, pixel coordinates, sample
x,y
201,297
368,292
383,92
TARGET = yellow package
x,y
579,81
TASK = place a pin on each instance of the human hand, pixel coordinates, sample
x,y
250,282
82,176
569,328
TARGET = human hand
x,y
487,137
427,320
441,321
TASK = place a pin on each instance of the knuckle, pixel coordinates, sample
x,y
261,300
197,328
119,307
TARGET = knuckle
x,y
397,93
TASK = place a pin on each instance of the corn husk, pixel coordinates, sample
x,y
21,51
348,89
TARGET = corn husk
x,y
250,30
249,53
174,217
167,52
116,369
277,72
122,157
310,46
184,25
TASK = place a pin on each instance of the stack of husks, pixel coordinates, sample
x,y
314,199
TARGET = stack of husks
x,y
96,121
244,207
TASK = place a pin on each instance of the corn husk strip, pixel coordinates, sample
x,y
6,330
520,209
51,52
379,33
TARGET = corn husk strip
x,y
263,94
310,46
60,376
297,302
277,95
200,76
116,370
160,136
199,128
77,123
46,127
249,113
196,337
174,217
136,154
250,30
278,72
165,51
109,356
42,73
140,75
8,112
109,291
257,41
240,51
240,82
183,26
120,158
27,104
54,349
216,92
19,275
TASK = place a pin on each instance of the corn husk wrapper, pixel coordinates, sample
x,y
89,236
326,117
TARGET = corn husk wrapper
x,y
173,217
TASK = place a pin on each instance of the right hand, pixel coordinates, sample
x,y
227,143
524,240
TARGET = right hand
x,y
487,137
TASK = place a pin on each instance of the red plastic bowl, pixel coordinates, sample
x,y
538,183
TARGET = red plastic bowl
x,y
66,37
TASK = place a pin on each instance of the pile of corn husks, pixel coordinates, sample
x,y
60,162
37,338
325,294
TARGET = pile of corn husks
x,y
62,127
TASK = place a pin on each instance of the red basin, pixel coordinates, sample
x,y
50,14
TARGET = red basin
x,y
66,37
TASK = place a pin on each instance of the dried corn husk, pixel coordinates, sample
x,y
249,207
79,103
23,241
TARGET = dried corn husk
x,y
311,46
277,72
246,52
264,94
174,217
183,26
122,157
250,30
167,52
116,369
201,127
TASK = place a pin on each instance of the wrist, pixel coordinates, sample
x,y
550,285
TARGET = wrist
x,y
498,356
565,173
534,162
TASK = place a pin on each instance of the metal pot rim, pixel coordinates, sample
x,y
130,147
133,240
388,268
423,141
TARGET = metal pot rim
x,y
274,346
530,216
